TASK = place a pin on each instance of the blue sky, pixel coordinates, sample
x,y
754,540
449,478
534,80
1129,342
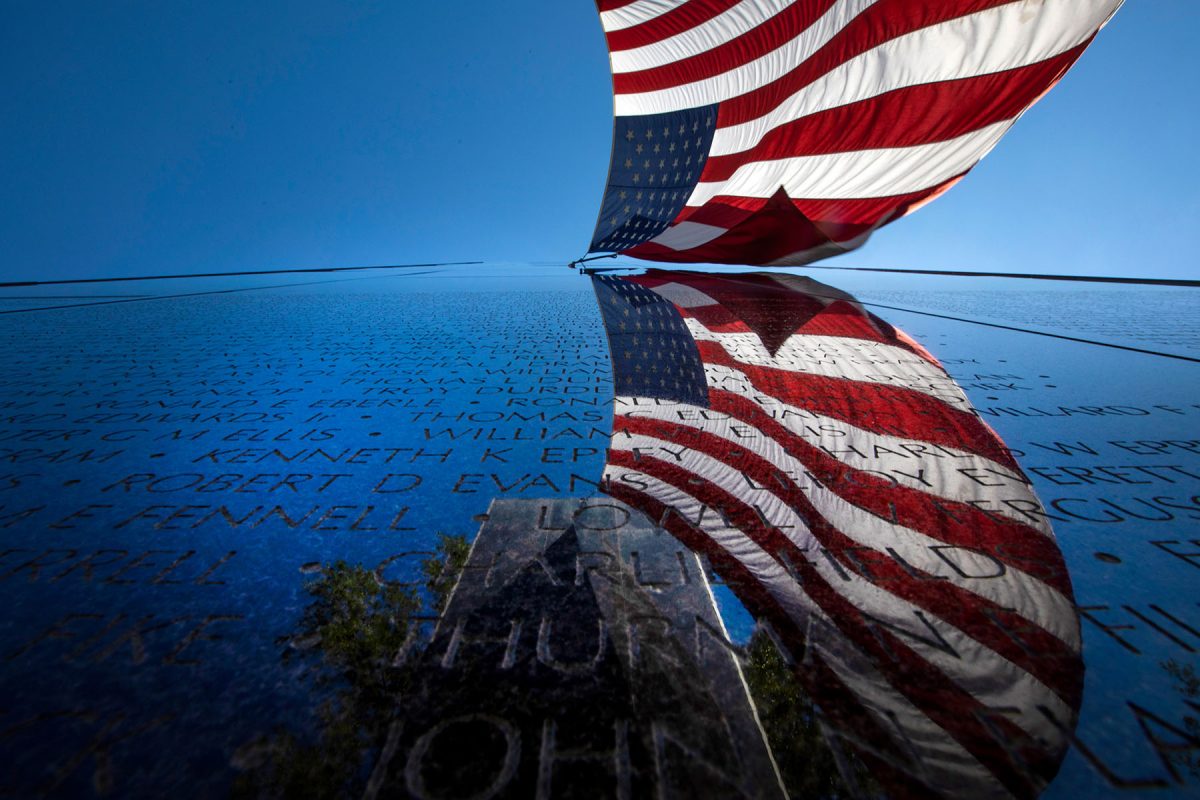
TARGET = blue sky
x,y
144,138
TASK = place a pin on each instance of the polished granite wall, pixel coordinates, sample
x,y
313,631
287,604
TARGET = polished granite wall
x,y
228,524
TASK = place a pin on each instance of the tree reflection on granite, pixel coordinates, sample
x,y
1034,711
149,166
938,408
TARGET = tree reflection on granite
x,y
807,764
350,632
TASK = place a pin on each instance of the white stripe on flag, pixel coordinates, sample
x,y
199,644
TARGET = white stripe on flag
x,y
684,296
995,40
747,77
636,13
724,27
857,174
862,360
687,235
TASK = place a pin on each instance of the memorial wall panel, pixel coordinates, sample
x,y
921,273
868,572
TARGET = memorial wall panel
x,y
457,535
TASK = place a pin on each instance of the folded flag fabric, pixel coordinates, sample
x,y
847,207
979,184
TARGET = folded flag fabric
x,y
779,132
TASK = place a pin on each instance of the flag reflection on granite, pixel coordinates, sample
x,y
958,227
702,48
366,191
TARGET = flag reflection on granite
x,y
839,481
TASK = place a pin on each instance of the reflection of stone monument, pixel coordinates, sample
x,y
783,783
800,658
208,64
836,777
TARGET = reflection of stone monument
x,y
581,654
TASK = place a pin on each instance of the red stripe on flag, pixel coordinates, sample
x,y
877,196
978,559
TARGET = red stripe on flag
x,y
881,22
611,5
677,20
916,115
723,211
843,320
746,47
908,413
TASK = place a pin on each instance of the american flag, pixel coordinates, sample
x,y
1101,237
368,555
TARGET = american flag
x,y
784,131
839,481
